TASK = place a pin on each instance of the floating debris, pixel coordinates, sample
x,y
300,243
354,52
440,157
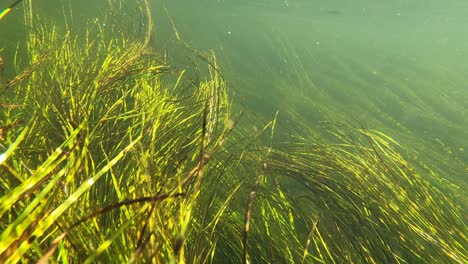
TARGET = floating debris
x,y
229,124
2,73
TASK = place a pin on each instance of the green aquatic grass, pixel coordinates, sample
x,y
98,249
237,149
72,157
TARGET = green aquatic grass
x,y
109,154
108,139
369,204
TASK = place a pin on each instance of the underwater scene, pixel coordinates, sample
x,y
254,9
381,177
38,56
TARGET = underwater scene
x,y
233,131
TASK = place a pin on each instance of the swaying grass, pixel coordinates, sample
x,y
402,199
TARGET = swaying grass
x,y
104,138
110,155
368,204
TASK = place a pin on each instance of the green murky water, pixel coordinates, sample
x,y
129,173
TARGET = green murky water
x,y
397,67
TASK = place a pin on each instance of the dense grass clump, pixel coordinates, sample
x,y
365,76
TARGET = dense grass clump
x,y
111,155
105,144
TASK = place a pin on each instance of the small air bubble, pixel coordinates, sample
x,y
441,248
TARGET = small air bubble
x,y
90,181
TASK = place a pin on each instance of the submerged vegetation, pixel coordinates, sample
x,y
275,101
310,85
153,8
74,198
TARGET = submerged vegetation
x,y
111,155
